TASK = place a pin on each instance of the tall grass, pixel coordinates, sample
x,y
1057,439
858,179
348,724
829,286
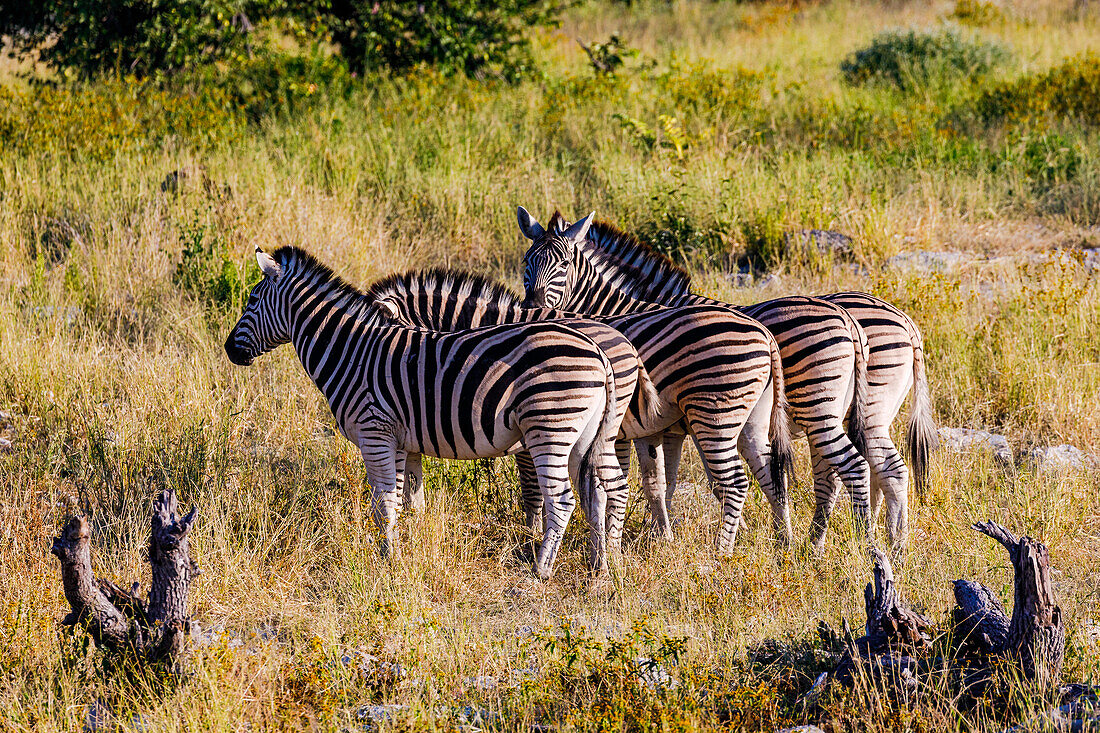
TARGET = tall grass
x,y
731,127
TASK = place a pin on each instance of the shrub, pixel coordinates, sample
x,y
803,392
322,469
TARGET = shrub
x,y
137,37
912,59
464,36
977,12
1070,92
96,120
208,270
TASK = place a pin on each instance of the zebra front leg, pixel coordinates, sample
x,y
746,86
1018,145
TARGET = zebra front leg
x,y
672,445
617,468
412,483
651,460
384,462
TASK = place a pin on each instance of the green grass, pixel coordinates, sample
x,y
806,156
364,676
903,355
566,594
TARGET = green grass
x,y
732,126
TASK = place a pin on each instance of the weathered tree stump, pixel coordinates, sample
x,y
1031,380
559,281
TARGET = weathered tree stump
x,y
1033,638
894,635
118,620
893,654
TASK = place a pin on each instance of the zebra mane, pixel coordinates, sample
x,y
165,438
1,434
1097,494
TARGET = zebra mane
x,y
625,260
303,264
460,285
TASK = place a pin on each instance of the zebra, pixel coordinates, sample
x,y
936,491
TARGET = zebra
x,y
395,390
710,368
823,348
895,366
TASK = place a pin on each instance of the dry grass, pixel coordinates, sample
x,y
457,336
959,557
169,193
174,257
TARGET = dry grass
x,y
116,382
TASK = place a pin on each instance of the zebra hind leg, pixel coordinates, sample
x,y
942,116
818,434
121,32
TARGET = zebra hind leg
x,y
834,456
412,483
717,446
558,504
531,498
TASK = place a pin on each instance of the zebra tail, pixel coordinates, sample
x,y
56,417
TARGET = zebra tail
x,y
921,438
649,399
593,458
857,413
782,447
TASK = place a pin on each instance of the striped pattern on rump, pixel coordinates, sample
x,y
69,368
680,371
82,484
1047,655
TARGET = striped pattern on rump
x,y
608,272
715,373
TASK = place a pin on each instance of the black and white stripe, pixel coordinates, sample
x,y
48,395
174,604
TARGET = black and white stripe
x,y
822,347
715,372
396,391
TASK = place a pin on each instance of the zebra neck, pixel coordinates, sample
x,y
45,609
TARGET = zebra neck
x,y
633,285
602,289
323,319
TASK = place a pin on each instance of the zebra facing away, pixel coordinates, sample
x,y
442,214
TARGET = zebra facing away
x,y
895,364
718,372
396,390
822,347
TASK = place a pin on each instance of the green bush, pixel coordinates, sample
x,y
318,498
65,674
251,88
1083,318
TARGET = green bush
x,y
1068,92
138,37
912,59
209,270
463,36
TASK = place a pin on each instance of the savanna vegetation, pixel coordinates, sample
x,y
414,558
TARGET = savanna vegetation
x,y
132,198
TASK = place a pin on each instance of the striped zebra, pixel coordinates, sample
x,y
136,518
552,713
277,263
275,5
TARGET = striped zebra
x,y
395,390
895,366
711,370
822,347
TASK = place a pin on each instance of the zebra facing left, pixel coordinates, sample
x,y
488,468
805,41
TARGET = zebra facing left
x,y
395,391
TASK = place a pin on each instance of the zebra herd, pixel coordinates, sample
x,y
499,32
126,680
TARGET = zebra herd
x,y
607,347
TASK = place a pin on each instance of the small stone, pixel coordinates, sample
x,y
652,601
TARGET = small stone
x,y
821,241
1058,458
967,440
802,729
927,261
6,446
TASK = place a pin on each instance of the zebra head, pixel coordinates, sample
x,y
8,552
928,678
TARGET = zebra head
x,y
548,270
263,325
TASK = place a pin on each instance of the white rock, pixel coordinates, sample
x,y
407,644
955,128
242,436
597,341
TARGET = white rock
x,y
927,261
1056,458
6,446
966,440
823,241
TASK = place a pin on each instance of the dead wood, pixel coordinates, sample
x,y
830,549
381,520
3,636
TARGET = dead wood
x,y
118,620
1035,637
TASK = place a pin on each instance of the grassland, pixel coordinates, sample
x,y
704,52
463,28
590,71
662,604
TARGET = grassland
x,y
116,295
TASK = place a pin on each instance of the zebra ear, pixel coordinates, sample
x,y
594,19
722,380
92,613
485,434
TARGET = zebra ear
x,y
527,224
268,265
388,310
579,231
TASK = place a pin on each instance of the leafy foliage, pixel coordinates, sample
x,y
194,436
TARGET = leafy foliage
x,y
129,36
912,59
1070,92
610,55
464,36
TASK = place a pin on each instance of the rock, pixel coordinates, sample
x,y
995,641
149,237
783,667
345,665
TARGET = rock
x,y
379,713
6,446
801,729
653,675
927,261
820,241
1057,458
967,440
